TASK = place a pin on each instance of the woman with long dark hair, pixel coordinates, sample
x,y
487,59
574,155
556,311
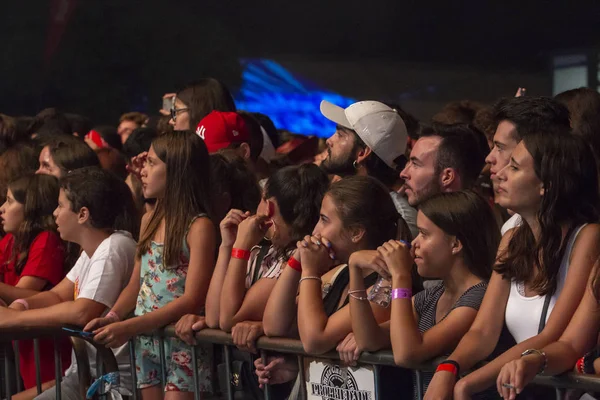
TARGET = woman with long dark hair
x,y
542,266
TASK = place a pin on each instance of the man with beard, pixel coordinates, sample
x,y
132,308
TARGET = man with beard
x,y
370,139
446,158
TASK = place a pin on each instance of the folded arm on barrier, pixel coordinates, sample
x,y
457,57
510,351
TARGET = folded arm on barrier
x,y
78,312
280,315
58,294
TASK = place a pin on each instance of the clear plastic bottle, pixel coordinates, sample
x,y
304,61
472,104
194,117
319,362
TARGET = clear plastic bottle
x,y
381,293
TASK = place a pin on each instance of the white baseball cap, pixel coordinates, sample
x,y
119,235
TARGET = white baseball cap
x,y
379,127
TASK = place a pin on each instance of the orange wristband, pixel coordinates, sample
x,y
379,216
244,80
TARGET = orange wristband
x,y
294,264
241,254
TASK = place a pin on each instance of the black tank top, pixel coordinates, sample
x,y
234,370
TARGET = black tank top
x,y
337,288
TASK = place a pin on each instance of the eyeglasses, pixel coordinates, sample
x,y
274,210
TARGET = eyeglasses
x,y
175,111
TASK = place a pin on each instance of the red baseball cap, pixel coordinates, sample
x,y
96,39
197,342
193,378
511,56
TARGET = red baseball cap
x,y
221,129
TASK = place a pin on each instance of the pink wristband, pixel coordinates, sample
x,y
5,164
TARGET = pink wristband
x,y
113,315
23,302
401,293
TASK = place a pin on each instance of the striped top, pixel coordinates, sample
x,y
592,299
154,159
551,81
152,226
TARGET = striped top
x,y
426,304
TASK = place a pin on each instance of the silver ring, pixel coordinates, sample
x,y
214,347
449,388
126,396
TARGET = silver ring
x,y
508,386
318,242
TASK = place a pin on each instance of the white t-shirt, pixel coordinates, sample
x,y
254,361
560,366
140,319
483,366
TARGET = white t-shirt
x,y
523,314
510,223
102,278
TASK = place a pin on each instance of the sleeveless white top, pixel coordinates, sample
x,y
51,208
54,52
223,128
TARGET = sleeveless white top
x,y
523,314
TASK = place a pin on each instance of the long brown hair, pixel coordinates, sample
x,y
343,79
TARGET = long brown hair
x,y
39,196
566,166
187,192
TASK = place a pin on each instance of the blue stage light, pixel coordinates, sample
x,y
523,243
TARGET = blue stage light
x,y
292,103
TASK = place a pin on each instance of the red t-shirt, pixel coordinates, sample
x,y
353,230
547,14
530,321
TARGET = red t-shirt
x,y
45,261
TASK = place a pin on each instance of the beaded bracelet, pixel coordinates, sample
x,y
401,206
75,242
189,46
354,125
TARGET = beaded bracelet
x,y
316,278
352,294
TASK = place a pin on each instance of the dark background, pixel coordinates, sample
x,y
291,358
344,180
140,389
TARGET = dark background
x,y
118,55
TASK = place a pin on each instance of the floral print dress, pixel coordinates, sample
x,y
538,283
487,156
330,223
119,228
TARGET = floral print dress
x,y
159,286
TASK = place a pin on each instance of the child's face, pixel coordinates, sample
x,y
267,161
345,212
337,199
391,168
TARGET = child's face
x,y
331,227
154,176
66,219
13,213
433,249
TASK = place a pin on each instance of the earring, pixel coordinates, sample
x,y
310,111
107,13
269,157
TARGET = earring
x,y
355,164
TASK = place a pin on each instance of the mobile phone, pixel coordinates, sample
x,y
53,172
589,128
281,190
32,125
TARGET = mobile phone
x,y
79,332
168,103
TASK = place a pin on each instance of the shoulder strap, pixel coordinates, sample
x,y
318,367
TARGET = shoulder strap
x,y
572,235
371,279
337,273
337,285
544,313
259,259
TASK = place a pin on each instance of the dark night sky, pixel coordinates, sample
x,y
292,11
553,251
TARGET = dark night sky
x,y
116,54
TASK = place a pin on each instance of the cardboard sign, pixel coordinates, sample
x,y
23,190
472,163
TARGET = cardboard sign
x,y
326,380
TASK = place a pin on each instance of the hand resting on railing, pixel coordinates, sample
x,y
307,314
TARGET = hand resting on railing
x,y
278,370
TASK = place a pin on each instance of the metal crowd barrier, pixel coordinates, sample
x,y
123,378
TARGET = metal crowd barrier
x,y
9,341
107,363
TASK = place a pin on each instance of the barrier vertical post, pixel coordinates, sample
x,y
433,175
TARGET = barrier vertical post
x,y
376,371
57,368
227,356
419,384
132,367
17,366
7,371
38,371
99,374
163,361
195,369
267,389
302,377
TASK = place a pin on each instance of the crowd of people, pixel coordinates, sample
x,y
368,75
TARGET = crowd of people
x,y
473,238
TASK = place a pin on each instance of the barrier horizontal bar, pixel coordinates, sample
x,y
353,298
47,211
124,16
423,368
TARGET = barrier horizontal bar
x,y
293,346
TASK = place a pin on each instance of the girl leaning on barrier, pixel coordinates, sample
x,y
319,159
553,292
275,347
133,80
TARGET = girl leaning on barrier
x,y
174,262
357,213
551,181
32,258
457,243
233,186
247,271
